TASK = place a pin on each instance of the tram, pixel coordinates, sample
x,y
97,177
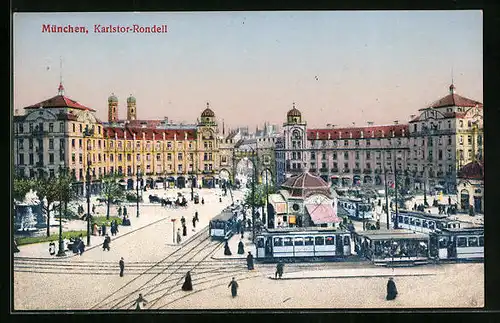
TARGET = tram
x,y
457,244
424,222
390,247
223,225
356,208
303,242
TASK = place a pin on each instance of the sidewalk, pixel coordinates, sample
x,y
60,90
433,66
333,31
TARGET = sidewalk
x,y
355,273
149,215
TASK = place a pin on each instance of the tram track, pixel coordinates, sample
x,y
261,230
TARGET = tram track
x,y
201,241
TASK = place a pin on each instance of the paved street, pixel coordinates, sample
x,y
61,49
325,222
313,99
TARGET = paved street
x,y
155,267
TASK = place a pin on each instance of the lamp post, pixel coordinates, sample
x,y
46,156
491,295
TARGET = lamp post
x,y
253,195
137,186
60,252
173,229
396,192
386,199
425,186
87,134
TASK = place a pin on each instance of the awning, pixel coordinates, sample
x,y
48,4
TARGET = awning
x,y
322,213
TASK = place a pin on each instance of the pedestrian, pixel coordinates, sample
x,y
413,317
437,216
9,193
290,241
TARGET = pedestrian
x,y
392,292
241,249
81,247
112,229
234,287
279,270
184,230
94,231
93,208
103,229
52,248
194,222
220,199
178,236
140,300
202,200
188,285
196,216
183,220
124,210
449,200
250,261
242,231
120,211
227,251
105,244
99,230
122,266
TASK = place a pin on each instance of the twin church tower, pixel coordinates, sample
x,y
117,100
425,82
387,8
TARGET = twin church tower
x,y
113,108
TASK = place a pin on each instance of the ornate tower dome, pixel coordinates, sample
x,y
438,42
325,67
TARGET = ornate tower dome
x,y
131,108
294,115
208,116
112,108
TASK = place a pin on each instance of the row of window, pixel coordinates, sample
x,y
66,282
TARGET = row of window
x,y
427,223
462,242
308,241
31,158
323,143
40,127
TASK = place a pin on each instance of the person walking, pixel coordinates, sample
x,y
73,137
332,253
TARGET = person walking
x,y
241,249
234,287
105,244
124,210
188,285
183,220
122,266
81,247
449,200
184,230
94,231
227,251
179,236
250,261
279,270
197,219
202,200
103,229
392,291
120,211
140,300
93,208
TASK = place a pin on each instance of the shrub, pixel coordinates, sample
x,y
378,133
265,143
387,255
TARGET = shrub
x,y
66,235
100,220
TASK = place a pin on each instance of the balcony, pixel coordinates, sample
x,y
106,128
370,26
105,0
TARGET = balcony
x,y
346,170
367,171
334,170
356,171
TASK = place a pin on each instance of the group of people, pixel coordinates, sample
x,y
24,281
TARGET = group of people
x,y
184,227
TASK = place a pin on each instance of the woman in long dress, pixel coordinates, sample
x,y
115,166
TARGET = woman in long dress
x,y
392,291
250,261
227,251
234,287
188,285
241,249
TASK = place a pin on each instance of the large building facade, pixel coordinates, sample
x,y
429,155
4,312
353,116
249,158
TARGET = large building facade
x,y
342,156
62,133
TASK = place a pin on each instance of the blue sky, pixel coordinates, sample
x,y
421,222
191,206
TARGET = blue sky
x,y
375,66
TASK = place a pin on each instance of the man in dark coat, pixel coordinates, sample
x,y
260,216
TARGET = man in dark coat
x,y
120,211
183,220
103,229
105,244
234,287
81,247
188,285
202,200
279,270
184,230
196,216
124,210
122,266
140,300
227,251
194,222
241,249
250,261
391,290
449,200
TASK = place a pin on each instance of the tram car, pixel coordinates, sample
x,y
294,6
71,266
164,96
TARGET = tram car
x,y
457,244
390,247
356,208
424,222
223,225
299,243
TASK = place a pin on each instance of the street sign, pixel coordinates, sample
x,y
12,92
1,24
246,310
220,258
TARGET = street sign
x,y
173,220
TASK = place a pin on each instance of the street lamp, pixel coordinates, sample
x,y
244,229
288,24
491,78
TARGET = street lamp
x,y
137,186
88,132
396,191
61,252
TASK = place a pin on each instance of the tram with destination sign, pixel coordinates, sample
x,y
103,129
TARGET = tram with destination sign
x,y
457,244
386,247
303,242
223,225
424,222
356,208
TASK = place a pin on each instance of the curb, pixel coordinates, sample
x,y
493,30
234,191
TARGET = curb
x,y
357,276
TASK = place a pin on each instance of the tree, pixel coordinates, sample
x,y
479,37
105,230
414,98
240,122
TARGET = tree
x,y
66,193
49,188
111,190
260,196
20,188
